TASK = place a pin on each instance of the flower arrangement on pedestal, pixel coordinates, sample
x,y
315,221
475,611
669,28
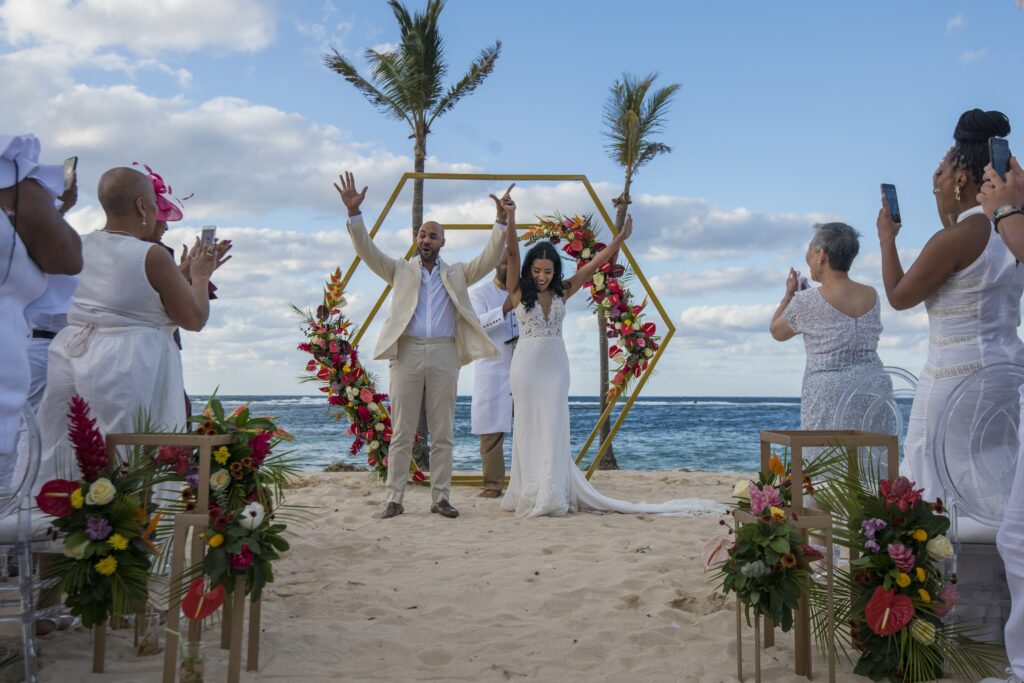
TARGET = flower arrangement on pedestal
x,y
768,564
900,595
636,340
247,481
350,389
107,524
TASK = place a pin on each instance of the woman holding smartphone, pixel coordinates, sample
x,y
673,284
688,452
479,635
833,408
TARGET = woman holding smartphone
x,y
969,282
841,323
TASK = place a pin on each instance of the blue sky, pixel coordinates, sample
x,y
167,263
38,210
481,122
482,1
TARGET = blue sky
x,y
789,113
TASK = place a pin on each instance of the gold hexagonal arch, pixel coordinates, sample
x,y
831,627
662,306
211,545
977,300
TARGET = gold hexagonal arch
x,y
670,329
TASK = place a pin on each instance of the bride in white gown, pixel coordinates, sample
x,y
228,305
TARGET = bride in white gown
x,y
545,479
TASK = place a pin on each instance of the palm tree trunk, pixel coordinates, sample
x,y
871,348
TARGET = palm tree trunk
x,y
420,449
609,462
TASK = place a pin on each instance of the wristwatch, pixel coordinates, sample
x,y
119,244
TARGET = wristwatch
x,y
1002,212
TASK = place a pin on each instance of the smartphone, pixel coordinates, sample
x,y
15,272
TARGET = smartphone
x,y
889,192
801,282
208,236
999,155
70,166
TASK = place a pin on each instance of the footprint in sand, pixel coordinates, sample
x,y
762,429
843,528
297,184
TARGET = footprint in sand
x,y
699,604
435,658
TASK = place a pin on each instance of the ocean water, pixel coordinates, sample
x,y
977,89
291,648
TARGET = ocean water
x,y
697,433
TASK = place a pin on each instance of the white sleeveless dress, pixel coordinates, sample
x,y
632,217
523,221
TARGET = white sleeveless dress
x,y
545,479
117,352
972,321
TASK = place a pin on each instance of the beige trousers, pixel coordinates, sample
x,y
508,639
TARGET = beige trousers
x,y
492,454
432,364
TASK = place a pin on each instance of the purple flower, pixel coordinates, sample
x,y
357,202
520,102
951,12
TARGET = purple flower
x,y
872,526
192,477
872,546
97,528
948,596
902,556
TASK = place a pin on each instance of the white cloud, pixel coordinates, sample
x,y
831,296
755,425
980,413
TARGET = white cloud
x,y
955,23
969,56
143,28
718,280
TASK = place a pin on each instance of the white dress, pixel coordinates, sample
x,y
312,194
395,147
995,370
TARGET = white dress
x,y
972,321
545,479
117,352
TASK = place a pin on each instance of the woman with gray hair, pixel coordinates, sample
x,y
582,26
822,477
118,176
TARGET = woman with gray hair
x,y
840,321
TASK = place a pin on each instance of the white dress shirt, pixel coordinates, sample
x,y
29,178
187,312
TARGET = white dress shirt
x,y
435,313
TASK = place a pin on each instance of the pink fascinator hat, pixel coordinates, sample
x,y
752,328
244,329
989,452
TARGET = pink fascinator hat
x,y
166,209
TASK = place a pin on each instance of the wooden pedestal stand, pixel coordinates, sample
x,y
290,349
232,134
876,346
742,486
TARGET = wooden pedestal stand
x,y
821,523
797,441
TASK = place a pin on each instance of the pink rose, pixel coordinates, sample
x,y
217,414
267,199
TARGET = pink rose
x,y
366,395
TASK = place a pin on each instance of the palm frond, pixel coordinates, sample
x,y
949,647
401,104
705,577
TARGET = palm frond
x,y
632,115
479,70
337,63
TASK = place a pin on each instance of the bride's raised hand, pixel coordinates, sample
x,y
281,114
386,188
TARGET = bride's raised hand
x,y
498,204
627,230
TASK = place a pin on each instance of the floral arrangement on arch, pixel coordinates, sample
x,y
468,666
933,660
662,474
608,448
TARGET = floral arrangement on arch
x,y
637,341
247,481
768,563
107,524
350,389
900,596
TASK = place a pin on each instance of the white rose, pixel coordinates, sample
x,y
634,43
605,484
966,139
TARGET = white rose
x,y
219,480
939,548
648,353
585,253
741,489
636,325
372,407
252,516
618,326
100,492
352,392
379,426
74,552
374,445
598,280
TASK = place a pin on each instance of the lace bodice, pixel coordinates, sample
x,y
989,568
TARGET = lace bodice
x,y
532,323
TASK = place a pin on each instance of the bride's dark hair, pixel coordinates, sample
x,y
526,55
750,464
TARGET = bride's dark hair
x,y
528,290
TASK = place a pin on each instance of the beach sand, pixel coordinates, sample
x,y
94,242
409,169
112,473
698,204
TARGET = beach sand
x,y
485,597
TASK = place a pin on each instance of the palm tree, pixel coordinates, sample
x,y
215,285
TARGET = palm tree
x,y
407,84
633,114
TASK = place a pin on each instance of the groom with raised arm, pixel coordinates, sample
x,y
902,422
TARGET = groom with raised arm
x,y
430,332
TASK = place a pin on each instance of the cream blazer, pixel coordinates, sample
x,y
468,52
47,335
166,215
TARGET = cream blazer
x,y
471,342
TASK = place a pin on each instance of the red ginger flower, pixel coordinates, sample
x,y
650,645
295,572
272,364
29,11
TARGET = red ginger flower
x,y
900,492
90,451
260,445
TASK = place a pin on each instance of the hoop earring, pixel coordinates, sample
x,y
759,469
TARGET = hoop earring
x,y
956,194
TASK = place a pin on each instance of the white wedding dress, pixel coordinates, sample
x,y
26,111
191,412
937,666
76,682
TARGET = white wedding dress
x,y
545,479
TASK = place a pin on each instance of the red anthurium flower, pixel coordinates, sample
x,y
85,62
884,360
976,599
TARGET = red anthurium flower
x,y
417,475
613,350
55,497
649,328
198,605
887,613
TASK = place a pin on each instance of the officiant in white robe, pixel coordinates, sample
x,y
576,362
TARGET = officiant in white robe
x,y
491,410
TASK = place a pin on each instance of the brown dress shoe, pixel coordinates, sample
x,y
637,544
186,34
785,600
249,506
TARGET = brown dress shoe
x,y
445,509
490,493
392,510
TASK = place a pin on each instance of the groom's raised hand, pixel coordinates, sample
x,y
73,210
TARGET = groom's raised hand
x,y
499,204
347,191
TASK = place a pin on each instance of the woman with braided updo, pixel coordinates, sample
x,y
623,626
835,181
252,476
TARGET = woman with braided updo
x,y
969,282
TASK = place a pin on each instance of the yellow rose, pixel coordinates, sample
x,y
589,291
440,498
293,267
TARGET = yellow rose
x,y
922,631
920,535
939,548
778,514
922,575
221,455
215,541
219,480
101,492
77,498
923,594
903,580
118,542
106,566
741,489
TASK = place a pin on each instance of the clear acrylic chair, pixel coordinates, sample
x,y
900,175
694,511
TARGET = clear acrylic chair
x,y
23,534
976,454
878,403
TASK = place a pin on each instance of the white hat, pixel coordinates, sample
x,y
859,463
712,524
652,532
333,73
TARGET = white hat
x,y
25,150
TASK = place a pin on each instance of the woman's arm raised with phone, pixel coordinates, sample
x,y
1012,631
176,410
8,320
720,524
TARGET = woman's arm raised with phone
x,y
585,273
